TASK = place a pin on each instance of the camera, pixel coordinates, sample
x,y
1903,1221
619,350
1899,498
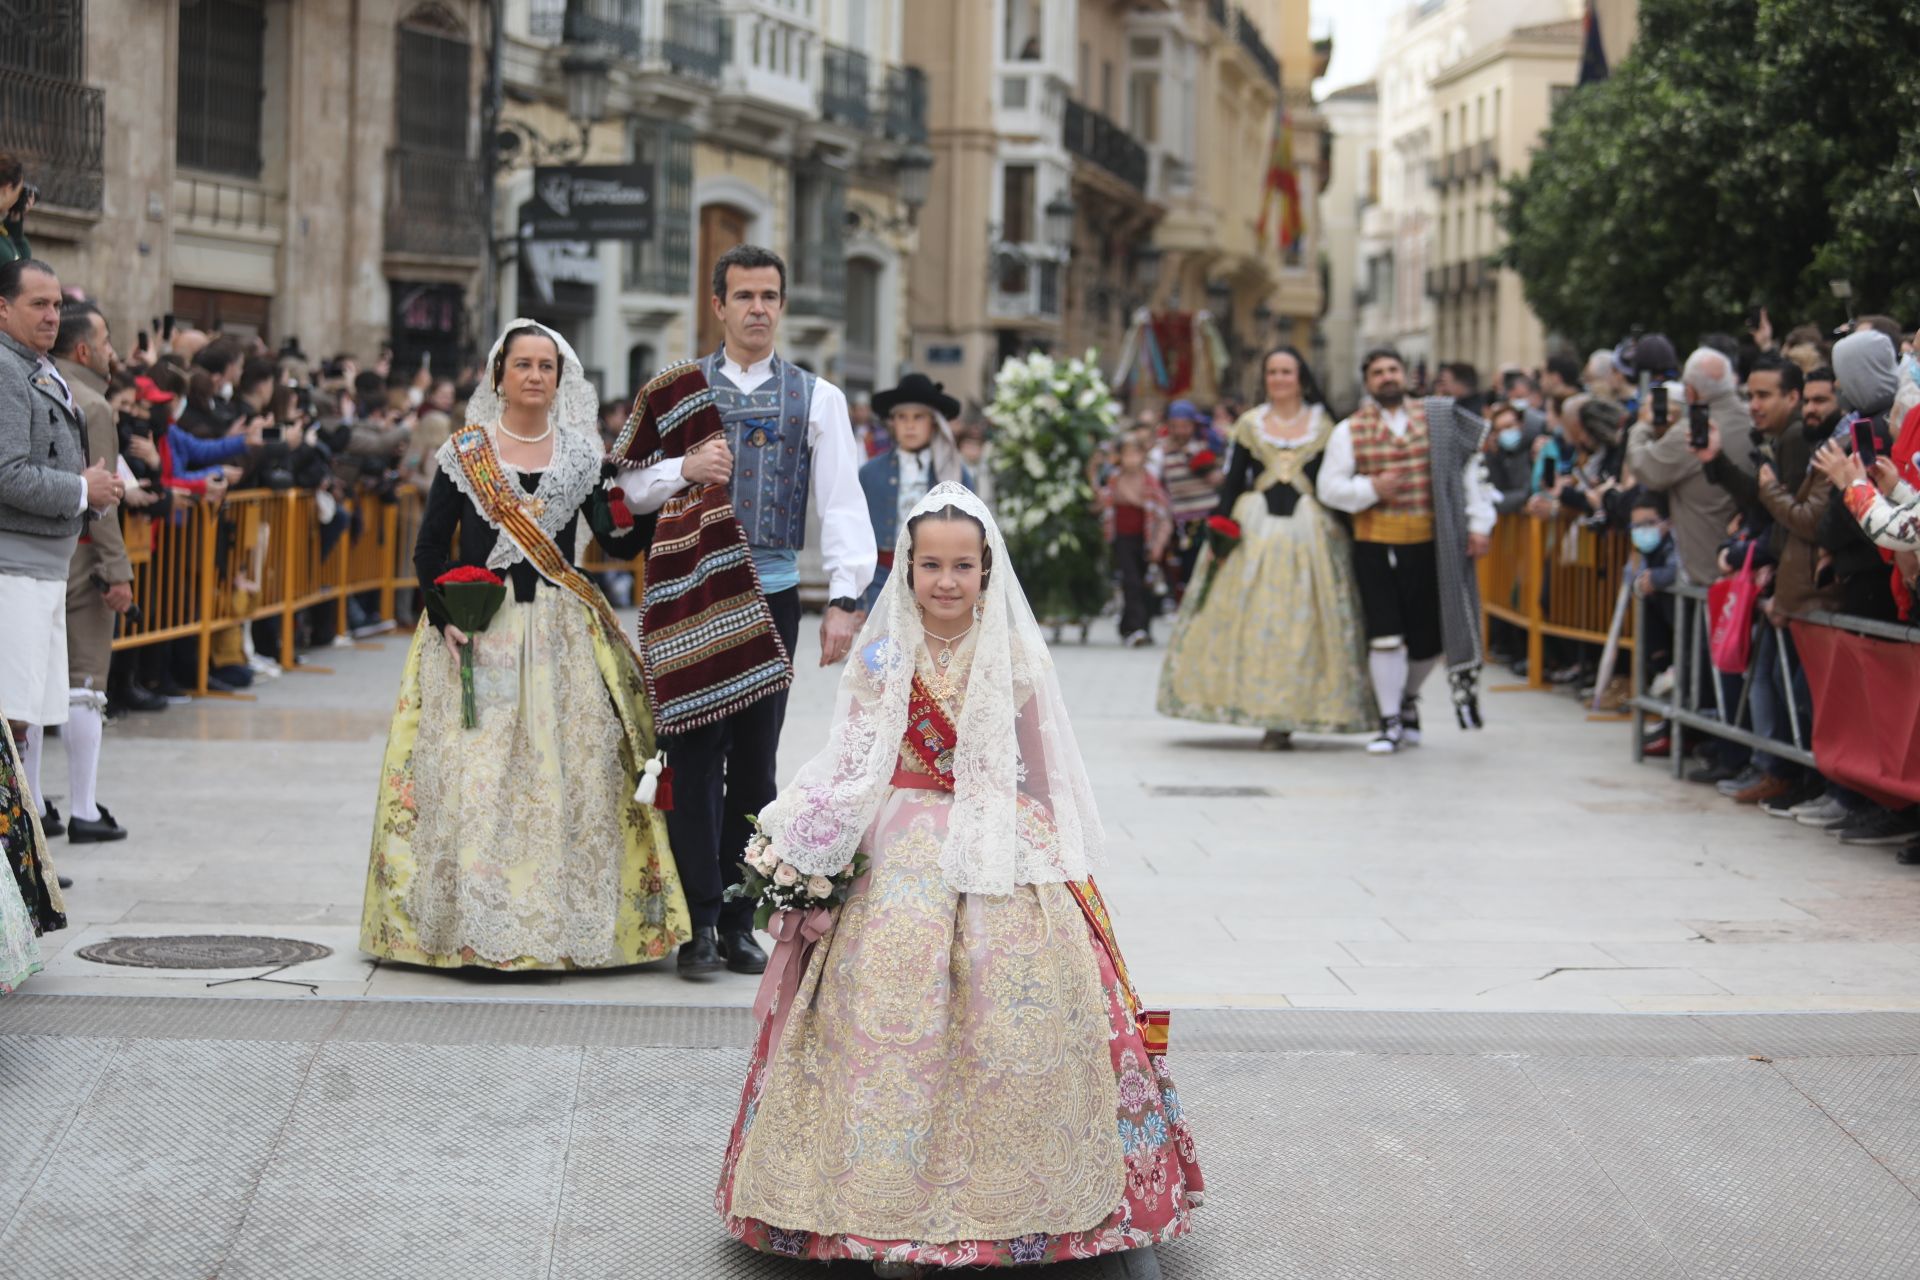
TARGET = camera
x,y
1660,414
28,194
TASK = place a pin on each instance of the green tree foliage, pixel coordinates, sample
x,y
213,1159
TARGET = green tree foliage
x,y
1745,152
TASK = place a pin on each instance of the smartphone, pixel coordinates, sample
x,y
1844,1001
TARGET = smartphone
x,y
1660,417
141,345
1863,444
271,435
1697,425
166,326
426,361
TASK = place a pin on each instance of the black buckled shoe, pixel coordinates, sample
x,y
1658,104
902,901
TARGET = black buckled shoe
x,y
98,831
743,954
50,824
700,954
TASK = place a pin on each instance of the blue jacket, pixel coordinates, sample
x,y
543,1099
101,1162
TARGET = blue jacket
x,y
196,459
880,481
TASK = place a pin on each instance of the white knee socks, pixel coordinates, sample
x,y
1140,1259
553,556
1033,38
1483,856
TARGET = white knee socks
x,y
84,725
1417,673
1389,670
30,764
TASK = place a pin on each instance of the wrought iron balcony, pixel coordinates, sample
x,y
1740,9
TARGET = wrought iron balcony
x,y
1488,158
905,108
1092,137
1248,34
696,42
610,24
819,284
434,203
844,85
58,128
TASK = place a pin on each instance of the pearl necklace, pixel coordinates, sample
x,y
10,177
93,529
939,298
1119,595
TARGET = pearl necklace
x,y
515,435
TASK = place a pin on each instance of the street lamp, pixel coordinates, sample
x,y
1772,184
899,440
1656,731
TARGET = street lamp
x,y
584,75
915,168
1059,213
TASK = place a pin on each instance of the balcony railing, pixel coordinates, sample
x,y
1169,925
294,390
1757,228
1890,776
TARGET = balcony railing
x,y
1218,8
1248,34
905,108
1488,160
212,202
611,24
844,81
1092,137
1436,281
1025,288
58,128
819,279
696,42
434,204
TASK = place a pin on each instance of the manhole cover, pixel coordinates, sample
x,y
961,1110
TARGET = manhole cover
x,y
204,951
1210,792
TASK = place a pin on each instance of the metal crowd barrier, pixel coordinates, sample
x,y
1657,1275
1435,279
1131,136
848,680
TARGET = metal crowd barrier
x,y
207,566
1554,577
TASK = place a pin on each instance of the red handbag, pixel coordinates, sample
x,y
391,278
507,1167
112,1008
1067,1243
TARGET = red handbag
x,y
1730,605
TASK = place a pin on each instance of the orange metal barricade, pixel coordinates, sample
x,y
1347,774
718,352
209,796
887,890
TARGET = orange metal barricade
x,y
1554,578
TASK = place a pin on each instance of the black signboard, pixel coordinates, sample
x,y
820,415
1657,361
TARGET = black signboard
x,y
590,202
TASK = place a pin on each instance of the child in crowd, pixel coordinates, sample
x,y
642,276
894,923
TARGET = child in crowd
x,y
1138,519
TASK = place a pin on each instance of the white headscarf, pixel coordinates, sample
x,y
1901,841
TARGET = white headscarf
x,y
576,408
1015,745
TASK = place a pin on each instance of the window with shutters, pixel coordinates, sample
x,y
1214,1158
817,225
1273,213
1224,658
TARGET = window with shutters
x,y
221,86
817,265
664,264
435,201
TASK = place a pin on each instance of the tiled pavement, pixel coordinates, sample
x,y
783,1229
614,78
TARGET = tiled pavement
x,y
1530,866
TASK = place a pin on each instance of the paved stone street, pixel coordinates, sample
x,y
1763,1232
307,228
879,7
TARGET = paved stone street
x,y
1527,867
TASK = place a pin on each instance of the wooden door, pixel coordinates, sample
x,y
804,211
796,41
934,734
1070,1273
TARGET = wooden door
x,y
721,228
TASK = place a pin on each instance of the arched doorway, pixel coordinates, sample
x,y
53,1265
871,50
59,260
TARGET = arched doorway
x,y
722,226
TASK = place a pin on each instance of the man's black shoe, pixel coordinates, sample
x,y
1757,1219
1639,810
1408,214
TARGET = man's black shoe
x,y
136,698
743,953
100,831
50,824
1909,856
700,954
1712,774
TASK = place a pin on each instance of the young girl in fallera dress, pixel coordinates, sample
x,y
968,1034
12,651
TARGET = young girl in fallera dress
x,y
958,1074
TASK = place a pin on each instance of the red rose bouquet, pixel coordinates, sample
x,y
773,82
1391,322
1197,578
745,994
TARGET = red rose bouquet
x,y
469,596
1223,535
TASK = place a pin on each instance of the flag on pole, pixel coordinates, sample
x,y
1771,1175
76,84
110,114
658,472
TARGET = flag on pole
x,y
1593,54
1283,187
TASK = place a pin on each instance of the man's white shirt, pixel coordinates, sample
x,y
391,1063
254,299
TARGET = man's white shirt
x,y
846,530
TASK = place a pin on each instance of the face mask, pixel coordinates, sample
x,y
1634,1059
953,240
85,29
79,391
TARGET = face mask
x,y
1647,538
1520,403
1510,439
1910,365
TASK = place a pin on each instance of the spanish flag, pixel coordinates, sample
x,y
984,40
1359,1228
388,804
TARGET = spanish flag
x,y
1283,187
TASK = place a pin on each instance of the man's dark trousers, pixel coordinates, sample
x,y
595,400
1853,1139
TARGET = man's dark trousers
x,y
723,774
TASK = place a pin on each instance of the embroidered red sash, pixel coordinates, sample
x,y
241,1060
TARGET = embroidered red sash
x,y
504,504
1153,1022
930,734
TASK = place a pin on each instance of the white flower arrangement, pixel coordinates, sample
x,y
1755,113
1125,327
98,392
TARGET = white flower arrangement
x,y
777,885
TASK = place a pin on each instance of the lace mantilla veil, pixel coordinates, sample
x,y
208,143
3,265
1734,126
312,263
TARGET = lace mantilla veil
x,y
993,842
576,409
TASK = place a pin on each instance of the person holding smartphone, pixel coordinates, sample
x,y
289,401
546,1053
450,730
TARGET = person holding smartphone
x,y
1662,457
17,198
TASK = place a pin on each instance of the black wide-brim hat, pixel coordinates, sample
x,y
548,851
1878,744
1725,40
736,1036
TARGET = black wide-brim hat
x,y
917,388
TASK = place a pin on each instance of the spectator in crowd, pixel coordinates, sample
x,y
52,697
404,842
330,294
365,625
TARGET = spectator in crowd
x,y
1461,381
1820,412
868,430
1658,456
1774,388
1867,377
1590,487
48,491
17,199
1561,379
435,423
1139,525
99,577
1171,463
1524,394
1509,459
1807,347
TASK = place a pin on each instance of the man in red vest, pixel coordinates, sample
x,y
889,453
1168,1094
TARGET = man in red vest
x,y
1411,475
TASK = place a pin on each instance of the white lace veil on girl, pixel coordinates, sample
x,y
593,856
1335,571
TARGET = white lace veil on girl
x,y
576,408
1013,738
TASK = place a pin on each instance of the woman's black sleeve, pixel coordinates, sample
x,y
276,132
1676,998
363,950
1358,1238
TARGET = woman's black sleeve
x,y
1240,476
620,544
433,548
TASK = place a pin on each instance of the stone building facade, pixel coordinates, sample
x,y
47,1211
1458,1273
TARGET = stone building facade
x,y
1095,157
295,170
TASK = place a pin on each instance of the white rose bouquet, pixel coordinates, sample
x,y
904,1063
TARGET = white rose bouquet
x,y
777,885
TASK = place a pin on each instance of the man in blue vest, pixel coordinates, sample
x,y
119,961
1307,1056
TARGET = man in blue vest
x,y
788,439
919,417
